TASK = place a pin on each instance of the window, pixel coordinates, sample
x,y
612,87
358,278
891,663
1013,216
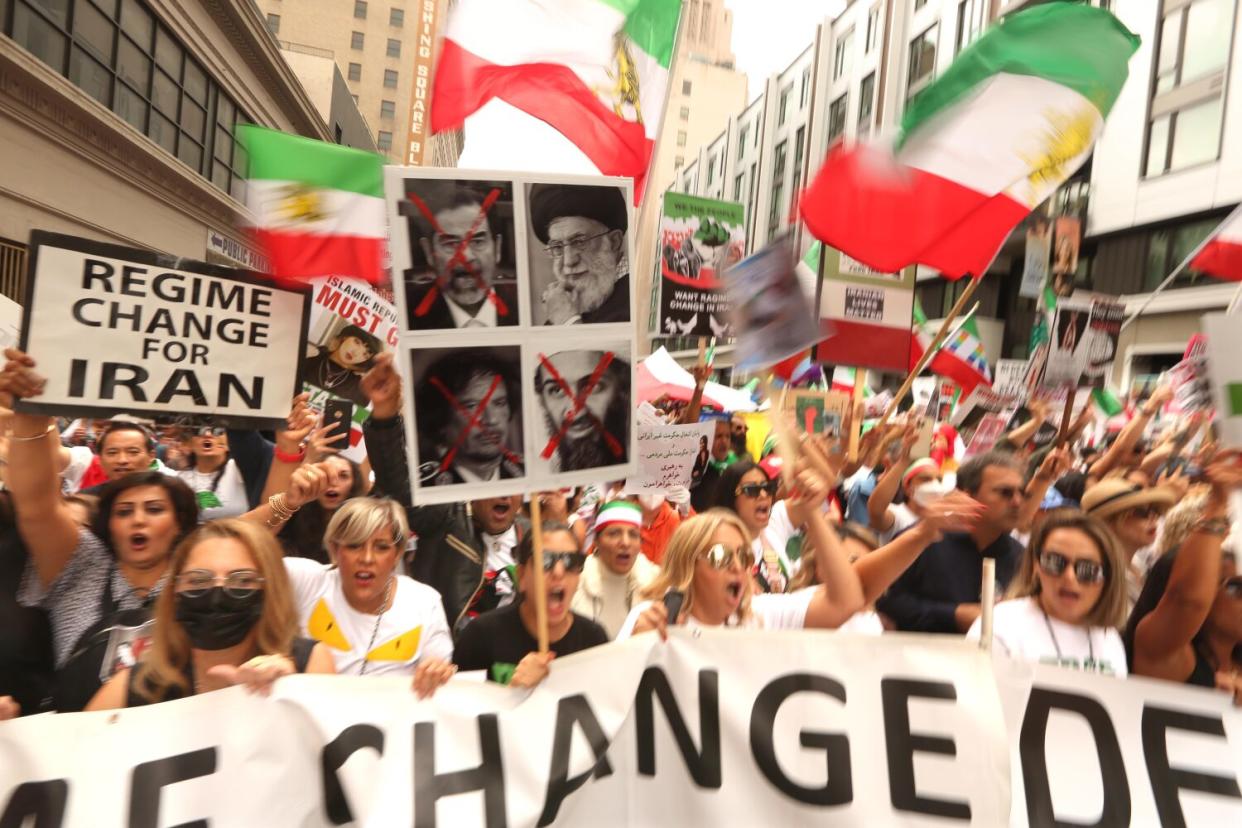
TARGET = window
x,y
778,189
273,24
356,40
738,183
360,9
959,35
384,141
394,47
742,132
355,72
836,117
866,102
799,147
711,170
390,79
681,138
756,135
679,162
782,113
918,4
1169,246
685,87
685,113
388,109
805,94
396,17
118,53
922,66
843,56
1187,102
873,29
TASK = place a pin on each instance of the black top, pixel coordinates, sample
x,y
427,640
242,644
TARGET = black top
x,y
948,573
439,317
25,634
616,308
496,641
301,653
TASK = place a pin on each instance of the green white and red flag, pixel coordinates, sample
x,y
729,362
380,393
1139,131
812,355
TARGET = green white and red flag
x,y
595,70
317,209
961,358
1222,256
1010,120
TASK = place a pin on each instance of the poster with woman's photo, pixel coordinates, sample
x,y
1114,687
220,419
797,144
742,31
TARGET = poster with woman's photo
x,y
1085,333
350,325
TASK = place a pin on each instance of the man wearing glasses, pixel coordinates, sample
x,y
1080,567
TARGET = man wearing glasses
x,y
583,231
461,241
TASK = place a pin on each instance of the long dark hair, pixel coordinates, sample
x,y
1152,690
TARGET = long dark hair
x,y
185,504
724,496
303,536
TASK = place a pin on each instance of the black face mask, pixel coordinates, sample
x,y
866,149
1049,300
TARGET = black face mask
x,y
216,620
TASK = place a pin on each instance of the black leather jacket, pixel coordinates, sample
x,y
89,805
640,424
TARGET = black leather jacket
x,y
450,553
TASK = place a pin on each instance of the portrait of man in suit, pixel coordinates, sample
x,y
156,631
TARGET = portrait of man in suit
x,y
461,228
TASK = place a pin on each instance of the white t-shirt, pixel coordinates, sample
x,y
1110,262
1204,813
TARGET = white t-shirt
x,y
1021,630
903,519
769,612
412,628
230,492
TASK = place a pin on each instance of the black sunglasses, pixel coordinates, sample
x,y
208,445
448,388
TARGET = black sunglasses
x,y
755,489
1145,512
210,431
1085,571
572,561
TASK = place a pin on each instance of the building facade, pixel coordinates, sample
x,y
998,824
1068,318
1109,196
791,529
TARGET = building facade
x,y
324,83
116,118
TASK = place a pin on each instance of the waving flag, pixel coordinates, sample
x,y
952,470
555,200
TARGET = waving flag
x,y
960,358
595,70
1222,256
318,208
1010,120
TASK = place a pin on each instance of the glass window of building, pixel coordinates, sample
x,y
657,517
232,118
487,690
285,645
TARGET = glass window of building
x,y
396,17
742,133
384,141
360,9
836,117
805,94
394,47
782,112
873,28
390,78
355,71
778,189
922,65
273,24
866,101
388,109
843,56
681,138
356,40
799,149
685,87
684,114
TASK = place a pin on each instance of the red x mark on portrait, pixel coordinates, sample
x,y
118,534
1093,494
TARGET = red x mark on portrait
x,y
459,255
470,424
473,421
579,402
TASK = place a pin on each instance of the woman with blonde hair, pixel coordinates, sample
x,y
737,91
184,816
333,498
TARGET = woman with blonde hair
x,y
1067,598
229,619
708,561
374,621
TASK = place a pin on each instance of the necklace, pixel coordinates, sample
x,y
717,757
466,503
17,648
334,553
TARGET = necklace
x,y
1057,646
375,630
330,378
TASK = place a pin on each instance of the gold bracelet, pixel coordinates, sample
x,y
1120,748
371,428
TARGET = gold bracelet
x,y
50,428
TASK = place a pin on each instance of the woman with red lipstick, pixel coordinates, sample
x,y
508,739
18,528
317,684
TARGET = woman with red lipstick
x,y
1066,600
212,475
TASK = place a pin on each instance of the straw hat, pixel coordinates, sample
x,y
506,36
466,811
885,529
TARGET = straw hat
x,y
1114,496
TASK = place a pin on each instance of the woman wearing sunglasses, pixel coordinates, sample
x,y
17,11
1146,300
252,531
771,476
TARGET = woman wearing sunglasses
x,y
709,559
1187,624
503,641
228,619
1132,512
213,475
746,490
1066,600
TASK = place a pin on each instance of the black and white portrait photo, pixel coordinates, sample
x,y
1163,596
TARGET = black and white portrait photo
x,y
579,254
468,415
583,398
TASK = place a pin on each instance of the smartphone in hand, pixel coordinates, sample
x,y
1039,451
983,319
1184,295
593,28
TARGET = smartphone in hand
x,y
673,601
340,415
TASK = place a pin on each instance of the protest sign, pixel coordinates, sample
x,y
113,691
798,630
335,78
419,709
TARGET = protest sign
x,y
1035,264
872,314
10,322
989,430
1224,343
669,456
1011,376
771,315
699,240
817,412
982,401
923,394
517,336
1085,333
350,325
1065,260
114,329
712,727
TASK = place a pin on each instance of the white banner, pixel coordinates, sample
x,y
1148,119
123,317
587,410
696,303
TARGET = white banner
x,y
713,727
117,329
1225,372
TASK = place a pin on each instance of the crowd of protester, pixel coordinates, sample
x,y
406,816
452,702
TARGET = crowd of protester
x,y
144,562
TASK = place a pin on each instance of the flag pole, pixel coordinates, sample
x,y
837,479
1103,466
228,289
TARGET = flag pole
x,y
541,587
860,384
1178,270
785,441
987,602
1071,391
931,349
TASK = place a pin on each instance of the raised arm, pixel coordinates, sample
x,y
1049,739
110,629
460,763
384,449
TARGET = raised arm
x,y
384,431
46,525
1055,464
1124,445
886,487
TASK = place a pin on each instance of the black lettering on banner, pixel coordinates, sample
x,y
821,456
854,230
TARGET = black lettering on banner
x,y
704,764
901,745
184,383
253,399
1167,781
94,270
77,311
571,711
111,377
45,801
150,778
838,788
335,754
1032,747
488,777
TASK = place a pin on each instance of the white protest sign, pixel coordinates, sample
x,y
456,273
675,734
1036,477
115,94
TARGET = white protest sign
x,y
1010,376
668,455
1224,344
115,329
712,727
10,322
